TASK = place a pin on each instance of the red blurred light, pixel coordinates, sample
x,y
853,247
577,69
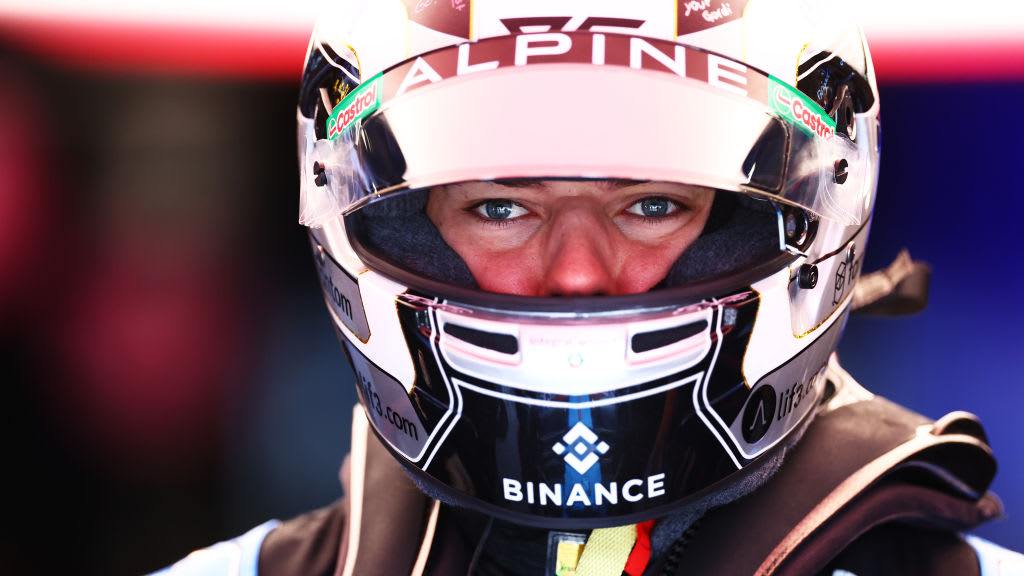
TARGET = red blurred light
x,y
959,60
151,348
160,49
277,53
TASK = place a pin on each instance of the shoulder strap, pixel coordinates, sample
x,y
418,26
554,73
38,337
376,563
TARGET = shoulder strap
x,y
383,527
389,519
863,462
306,545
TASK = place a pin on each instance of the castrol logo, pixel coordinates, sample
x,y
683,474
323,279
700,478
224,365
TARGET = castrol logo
x,y
802,111
355,106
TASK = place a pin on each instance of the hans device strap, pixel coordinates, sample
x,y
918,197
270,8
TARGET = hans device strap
x,y
863,463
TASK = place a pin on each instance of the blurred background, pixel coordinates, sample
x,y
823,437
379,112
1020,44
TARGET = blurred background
x,y
173,376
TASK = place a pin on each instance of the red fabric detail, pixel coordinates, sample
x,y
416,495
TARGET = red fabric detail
x,y
448,17
641,554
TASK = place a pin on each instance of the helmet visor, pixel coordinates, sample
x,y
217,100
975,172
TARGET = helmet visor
x,y
583,105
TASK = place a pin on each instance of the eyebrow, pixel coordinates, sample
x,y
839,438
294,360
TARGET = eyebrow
x,y
542,182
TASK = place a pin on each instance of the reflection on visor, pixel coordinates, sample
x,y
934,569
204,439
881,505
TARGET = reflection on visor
x,y
584,105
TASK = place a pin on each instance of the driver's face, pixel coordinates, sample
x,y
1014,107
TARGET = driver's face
x,y
569,237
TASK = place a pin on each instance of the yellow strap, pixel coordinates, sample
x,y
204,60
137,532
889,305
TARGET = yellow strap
x,y
607,551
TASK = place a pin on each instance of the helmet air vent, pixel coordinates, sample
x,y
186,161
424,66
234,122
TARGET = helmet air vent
x,y
503,343
647,341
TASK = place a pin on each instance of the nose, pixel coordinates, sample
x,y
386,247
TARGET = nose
x,y
579,258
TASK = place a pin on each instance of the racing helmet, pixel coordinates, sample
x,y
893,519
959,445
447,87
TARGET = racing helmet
x,y
584,410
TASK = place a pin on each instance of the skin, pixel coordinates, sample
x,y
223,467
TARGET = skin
x,y
569,237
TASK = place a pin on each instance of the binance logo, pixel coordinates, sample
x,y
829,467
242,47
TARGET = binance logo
x,y
580,448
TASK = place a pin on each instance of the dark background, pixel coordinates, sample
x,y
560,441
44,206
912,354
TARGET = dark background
x,y
175,378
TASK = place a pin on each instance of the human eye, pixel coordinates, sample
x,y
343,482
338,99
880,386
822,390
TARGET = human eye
x,y
499,209
653,207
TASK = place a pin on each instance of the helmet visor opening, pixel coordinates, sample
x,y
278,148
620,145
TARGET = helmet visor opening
x,y
568,237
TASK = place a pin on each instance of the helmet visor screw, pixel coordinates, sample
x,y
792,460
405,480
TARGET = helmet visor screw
x,y
841,167
321,176
807,276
